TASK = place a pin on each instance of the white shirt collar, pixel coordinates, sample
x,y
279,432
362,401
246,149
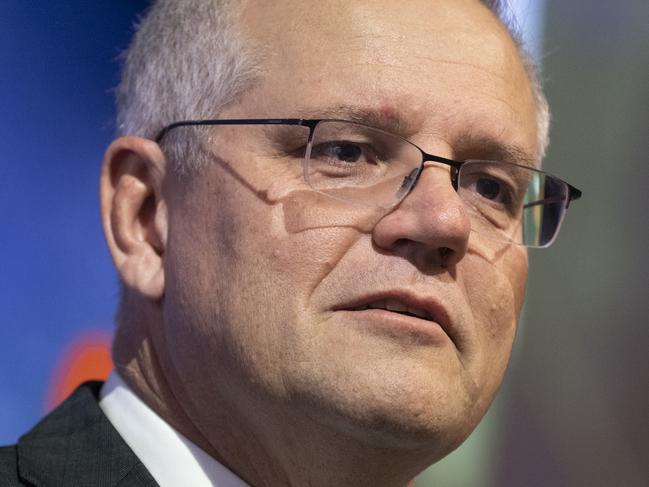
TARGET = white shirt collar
x,y
169,457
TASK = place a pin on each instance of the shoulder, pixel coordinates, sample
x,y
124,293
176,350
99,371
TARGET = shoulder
x,y
73,445
9,467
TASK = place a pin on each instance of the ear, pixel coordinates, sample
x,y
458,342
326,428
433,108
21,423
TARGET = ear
x,y
134,213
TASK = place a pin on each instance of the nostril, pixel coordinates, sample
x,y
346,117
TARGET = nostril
x,y
444,254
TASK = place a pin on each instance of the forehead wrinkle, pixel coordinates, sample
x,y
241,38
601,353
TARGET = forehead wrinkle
x,y
490,69
499,66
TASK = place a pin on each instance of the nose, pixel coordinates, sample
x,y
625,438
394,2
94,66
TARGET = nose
x,y
430,226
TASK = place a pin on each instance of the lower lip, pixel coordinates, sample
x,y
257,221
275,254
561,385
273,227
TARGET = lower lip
x,y
396,325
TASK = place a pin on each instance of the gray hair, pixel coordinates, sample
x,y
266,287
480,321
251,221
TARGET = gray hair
x,y
502,10
188,60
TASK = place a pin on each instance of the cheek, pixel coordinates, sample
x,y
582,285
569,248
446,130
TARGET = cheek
x,y
495,290
310,234
495,287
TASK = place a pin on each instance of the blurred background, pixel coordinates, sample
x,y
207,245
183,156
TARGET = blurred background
x,y
575,404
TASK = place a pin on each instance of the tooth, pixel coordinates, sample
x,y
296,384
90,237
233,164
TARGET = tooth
x,y
394,305
418,312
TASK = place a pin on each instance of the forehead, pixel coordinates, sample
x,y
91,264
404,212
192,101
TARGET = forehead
x,y
447,67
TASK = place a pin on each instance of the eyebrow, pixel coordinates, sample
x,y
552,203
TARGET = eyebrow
x,y
390,121
470,144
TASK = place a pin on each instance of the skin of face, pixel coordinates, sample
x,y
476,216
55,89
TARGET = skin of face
x,y
261,274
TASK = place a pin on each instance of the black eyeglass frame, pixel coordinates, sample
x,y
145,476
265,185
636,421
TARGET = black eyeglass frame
x,y
573,192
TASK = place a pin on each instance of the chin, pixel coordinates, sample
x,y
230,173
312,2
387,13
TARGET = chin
x,y
403,429
422,410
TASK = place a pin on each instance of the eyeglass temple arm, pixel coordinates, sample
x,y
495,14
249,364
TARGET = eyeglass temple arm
x,y
236,121
573,194
542,202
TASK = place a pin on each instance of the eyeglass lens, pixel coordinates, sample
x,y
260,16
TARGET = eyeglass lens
x,y
370,167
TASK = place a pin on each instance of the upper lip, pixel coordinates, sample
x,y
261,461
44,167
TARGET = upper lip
x,y
427,308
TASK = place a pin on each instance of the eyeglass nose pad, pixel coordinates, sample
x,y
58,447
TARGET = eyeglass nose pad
x,y
454,177
408,183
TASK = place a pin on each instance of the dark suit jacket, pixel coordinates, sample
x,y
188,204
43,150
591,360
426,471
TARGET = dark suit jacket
x,y
75,445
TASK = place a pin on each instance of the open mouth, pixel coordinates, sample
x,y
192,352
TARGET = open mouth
x,y
426,316
396,306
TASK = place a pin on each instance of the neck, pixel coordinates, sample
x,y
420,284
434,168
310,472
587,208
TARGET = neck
x,y
289,449
264,445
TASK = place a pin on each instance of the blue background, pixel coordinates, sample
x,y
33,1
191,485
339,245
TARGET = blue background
x,y
59,65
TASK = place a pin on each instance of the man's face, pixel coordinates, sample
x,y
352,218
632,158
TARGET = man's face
x,y
266,280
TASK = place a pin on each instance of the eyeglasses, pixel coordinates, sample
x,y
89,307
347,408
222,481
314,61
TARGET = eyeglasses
x,y
366,166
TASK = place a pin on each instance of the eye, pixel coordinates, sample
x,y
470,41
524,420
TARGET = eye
x,y
340,151
495,190
347,152
490,189
486,183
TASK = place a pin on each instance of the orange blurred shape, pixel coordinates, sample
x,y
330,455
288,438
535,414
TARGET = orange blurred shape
x,y
87,357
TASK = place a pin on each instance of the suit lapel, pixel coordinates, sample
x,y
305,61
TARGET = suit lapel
x,y
77,445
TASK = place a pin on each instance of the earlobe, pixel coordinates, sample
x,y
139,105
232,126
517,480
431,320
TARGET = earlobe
x,y
134,213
